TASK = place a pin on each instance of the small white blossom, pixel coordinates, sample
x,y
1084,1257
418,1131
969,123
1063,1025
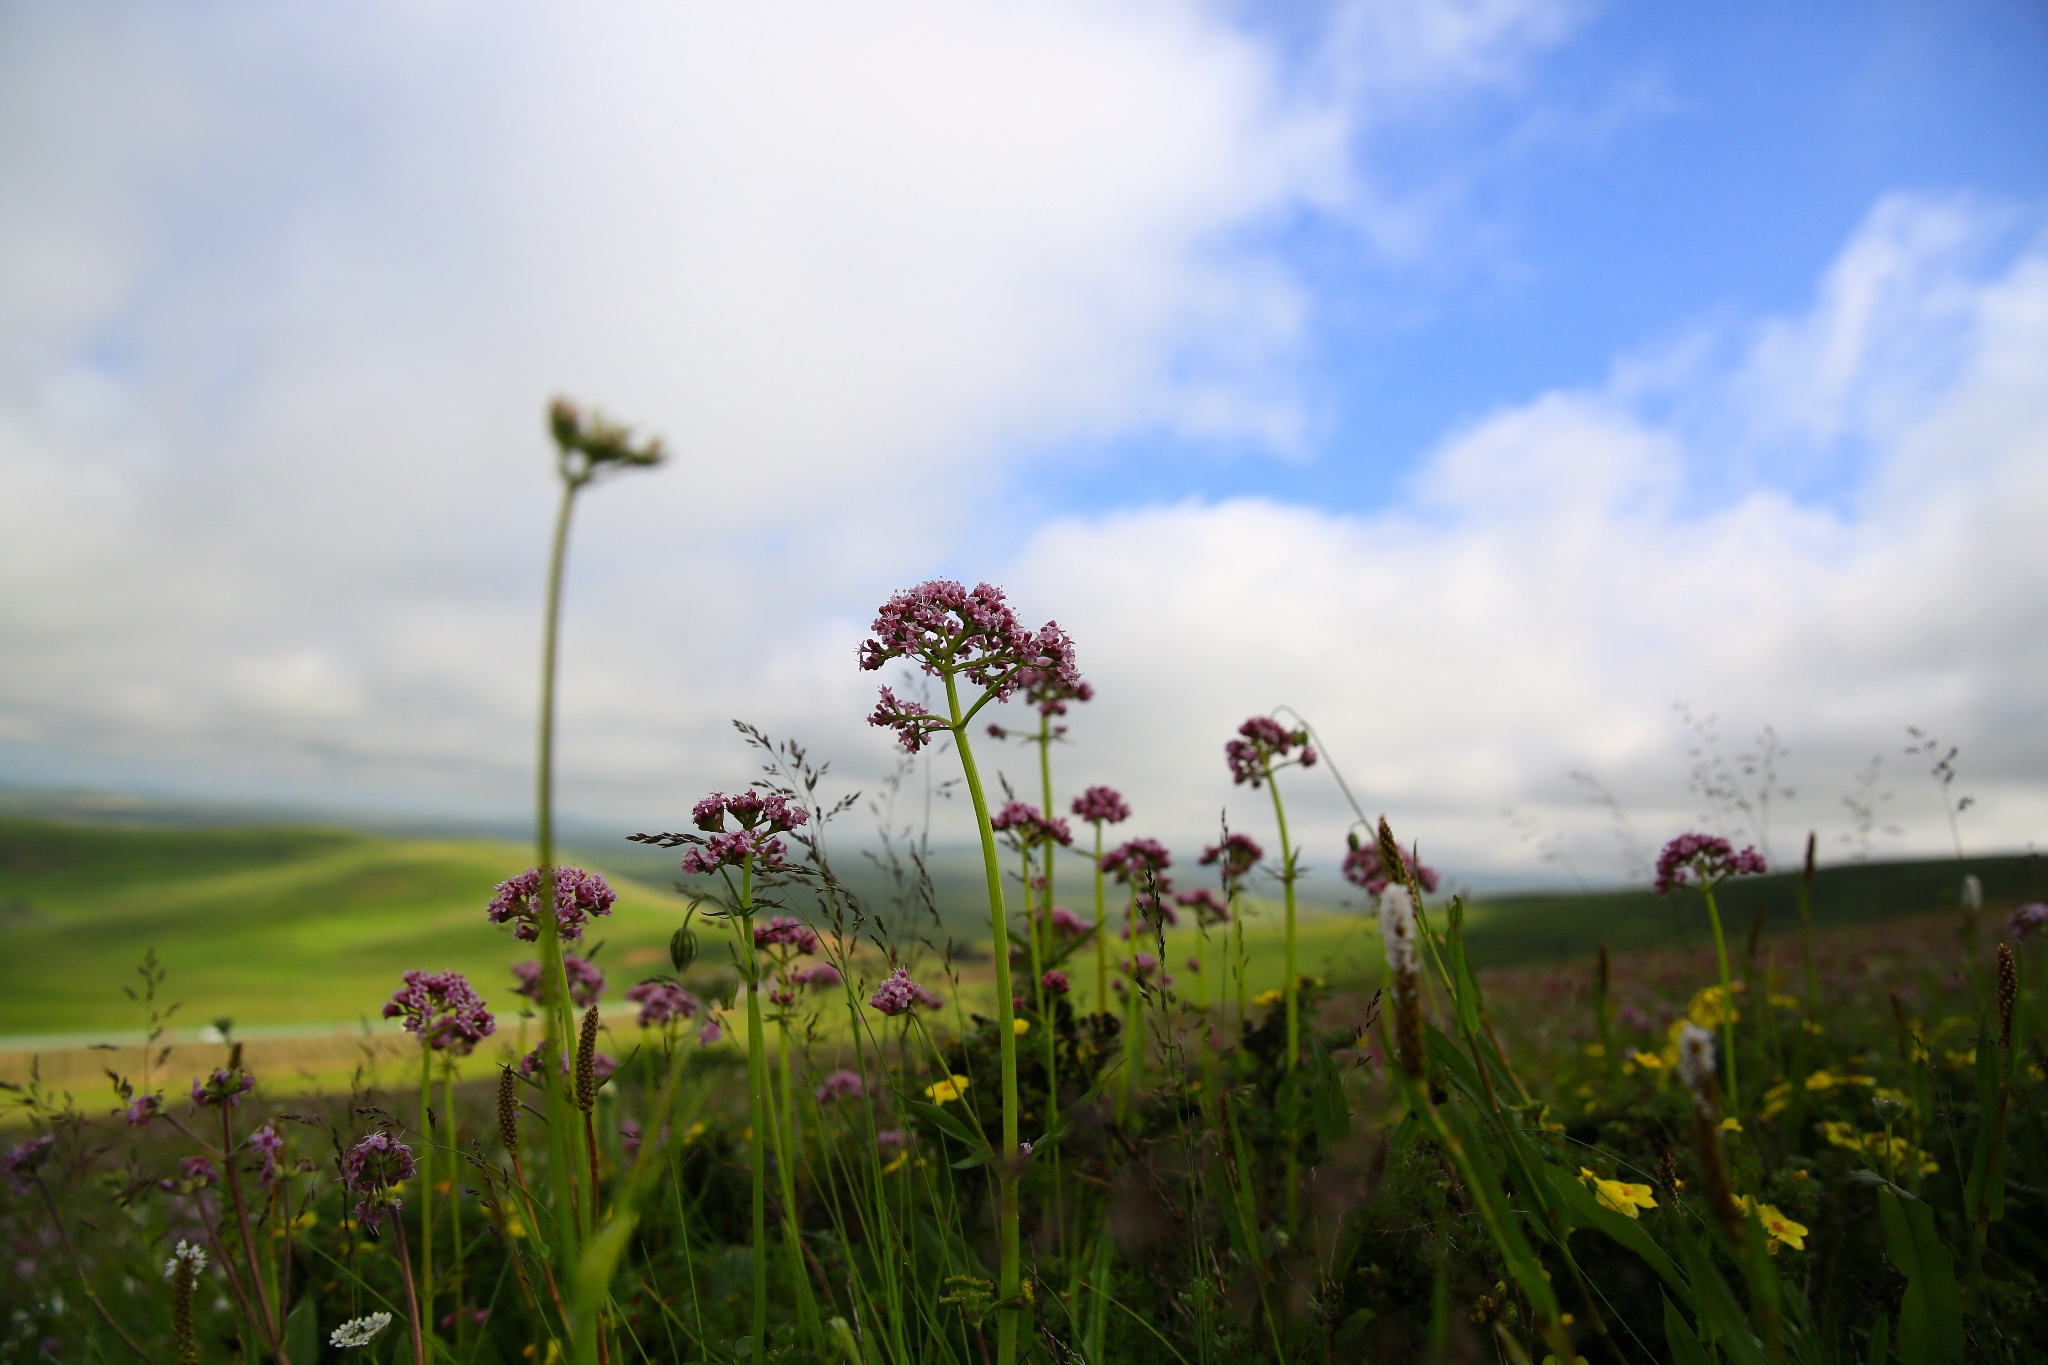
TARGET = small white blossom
x,y
359,1331
1397,933
183,1254
1696,1060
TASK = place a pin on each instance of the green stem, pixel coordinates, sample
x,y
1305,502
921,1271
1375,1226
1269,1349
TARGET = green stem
x,y
1727,1000
758,1109
454,1190
1293,989
1010,1285
1101,932
426,1178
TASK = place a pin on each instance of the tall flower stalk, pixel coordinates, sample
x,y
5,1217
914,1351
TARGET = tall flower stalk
x,y
1101,806
973,638
1704,861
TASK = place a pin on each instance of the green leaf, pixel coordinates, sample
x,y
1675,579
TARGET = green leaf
x,y
1931,1310
951,1126
1984,1194
1588,1212
302,1333
1685,1347
1449,1058
1327,1107
1720,1314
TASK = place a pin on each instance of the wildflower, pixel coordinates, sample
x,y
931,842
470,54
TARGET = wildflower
x,y
709,1032
1404,969
1826,1080
444,1010
1262,745
1028,828
943,627
662,1002
197,1172
1208,909
1731,1124
893,1139
359,1331
142,1109
578,896
2008,995
1710,1009
1696,1062
185,1256
951,1088
370,1169
1142,965
821,976
1364,868
732,849
1648,1061
1781,1231
898,994
1233,858
1055,982
269,1142
2027,920
1101,806
25,1159
1136,859
785,931
1152,903
1020,1027
225,1086
603,1066
1706,859
1265,1000
840,1085
586,980
1067,924
1619,1195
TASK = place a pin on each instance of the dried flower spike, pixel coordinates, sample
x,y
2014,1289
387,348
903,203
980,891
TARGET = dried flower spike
x,y
2008,994
586,1062
508,1110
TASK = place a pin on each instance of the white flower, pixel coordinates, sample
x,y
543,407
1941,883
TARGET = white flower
x,y
359,1331
1973,894
1397,932
1696,1059
183,1254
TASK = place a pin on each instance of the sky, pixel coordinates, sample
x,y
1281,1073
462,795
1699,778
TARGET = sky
x,y
1562,406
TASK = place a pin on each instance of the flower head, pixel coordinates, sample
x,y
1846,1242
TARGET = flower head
x,y
946,1090
1363,867
1262,745
586,980
1055,982
1703,860
1696,1061
1209,910
225,1086
1233,858
1619,1195
26,1158
1135,859
187,1259
1067,924
578,896
898,994
819,976
662,1001
198,1172
602,1065
1101,805
2028,920
1050,689
948,630
443,1009
1028,827
142,1109
1781,1231
841,1085
270,1143
785,931
359,1331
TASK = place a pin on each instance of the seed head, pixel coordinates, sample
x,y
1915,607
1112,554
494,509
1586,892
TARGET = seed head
x,y
1404,968
1696,1063
586,1062
2008,993
508,1110
682,949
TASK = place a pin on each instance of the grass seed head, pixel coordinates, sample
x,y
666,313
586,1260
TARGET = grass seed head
x,y
586,1062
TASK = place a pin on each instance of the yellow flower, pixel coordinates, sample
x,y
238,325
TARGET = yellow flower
x,y
952,1088
1776,1100
1618,1195
897,1164
308,1219
1709,1007
1967,1058
1783,1001
694,1131
1827,1080
1811,1027
1020,1027
1596,1050
1268,999
1780,1229
1648,1061
1731,1124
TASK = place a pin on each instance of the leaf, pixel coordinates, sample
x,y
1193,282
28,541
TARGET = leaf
x,y
1327,1108
1931,1310
302,1333
1984,1194
1685,1347
1452,1061
1720,1315
1587,1211
951,1126
1066,1118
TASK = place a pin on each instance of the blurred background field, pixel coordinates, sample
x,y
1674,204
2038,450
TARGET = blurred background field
x,y
299,933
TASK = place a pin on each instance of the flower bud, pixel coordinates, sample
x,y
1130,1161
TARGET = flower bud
x,y
682,949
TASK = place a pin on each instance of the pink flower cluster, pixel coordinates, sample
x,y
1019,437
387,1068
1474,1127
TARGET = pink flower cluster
x,y
25,1159
786,932
662,1001
898,994
840,1085
1135,858
1067,924
1702,860
1030,828
1055,982
586,980
756,818
443,1009
1102,805
947,630
270,1143
578,896
1262,745
1363,868
1233,858
602,1066
224,1087
370,1169
1209,910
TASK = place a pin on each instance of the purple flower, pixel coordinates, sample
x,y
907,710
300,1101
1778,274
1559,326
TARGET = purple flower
x,y
142,1109
269,1142
529,1066
25,1159
443,1009
1194,964
1262,745
630,1134
1067,924
1209,910
225,1086
586,980
1234,858
1362,868
1154,905
370,1169
893,1140
898,994
1050,690
1132,860
945,629
197,1172
820,977
578,896
841,1085
1101,805
732,849
709,1032
785,931
1024,823
662,1001
1705,859
2027,920
781,998
1055,982
1142,965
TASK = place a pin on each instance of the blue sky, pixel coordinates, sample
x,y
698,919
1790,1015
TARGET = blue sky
x,y
1483,377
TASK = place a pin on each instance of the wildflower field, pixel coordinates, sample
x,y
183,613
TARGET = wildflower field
x,y
1130,1120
